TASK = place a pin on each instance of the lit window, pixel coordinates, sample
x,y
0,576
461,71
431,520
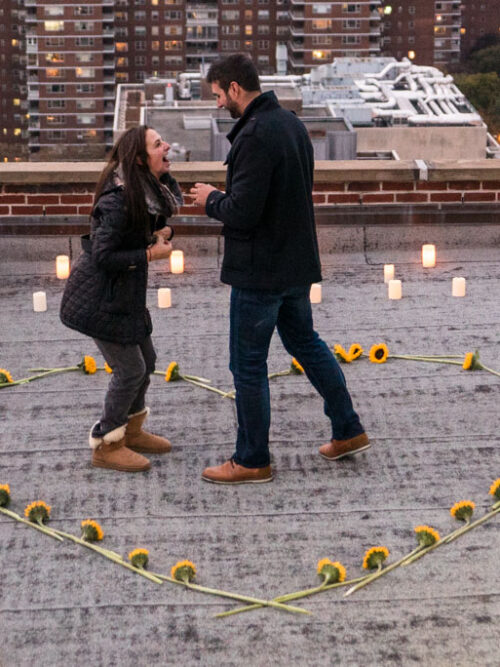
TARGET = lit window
x,y
17,132
16,102
54,26
388,10
15,42
121,46
464,30
411,55
248,30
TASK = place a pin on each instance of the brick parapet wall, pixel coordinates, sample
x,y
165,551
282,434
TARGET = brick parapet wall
x,y
66,189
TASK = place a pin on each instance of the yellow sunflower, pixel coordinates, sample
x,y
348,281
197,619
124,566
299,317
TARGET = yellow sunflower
x,y
37,511
462,510
295,367
355,351
4,495
471,361
184,571
139,558
107,367
331,573
341,354
426,536
5,376
495,489
374,557
172,373
91,531
88,365
379,353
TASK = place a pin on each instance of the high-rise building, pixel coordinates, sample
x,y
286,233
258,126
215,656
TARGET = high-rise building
x,y
480,21
426,31
13,91
321,31
71,77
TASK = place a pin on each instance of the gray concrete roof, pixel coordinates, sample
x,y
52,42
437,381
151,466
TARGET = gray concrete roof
x,y
435,439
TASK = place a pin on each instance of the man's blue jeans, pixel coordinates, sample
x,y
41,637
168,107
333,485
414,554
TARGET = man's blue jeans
x,y
253,318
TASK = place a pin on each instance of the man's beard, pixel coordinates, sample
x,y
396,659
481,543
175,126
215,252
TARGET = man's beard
x,y
232,107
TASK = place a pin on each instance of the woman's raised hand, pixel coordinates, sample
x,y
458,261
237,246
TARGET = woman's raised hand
x,y
161,249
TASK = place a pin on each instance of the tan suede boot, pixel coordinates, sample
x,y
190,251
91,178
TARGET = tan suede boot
x,y
142,441
110,452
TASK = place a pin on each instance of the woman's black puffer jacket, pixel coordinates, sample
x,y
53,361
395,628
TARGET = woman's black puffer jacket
x,y
105,296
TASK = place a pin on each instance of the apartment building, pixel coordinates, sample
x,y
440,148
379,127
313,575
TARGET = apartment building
x,y
13,91
70,77
479,19
321,31
426,31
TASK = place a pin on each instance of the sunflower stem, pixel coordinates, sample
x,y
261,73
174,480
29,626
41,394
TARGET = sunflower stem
x,y
380,573
473,524
292,596
233,596
43,529
490,370
205,386
110,555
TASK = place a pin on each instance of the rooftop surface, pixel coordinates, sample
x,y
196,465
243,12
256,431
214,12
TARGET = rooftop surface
x,y
434,430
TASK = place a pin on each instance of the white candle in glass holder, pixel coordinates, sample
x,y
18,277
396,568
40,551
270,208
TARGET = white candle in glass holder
x,y
164,297
62,266
39,302
458,287
315,293
395,289
177,261
388,272
428,255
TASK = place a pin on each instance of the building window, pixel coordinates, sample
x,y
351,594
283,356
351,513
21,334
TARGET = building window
x,y
56,88
85,72
56,135
350,8
84,57
85,88
263,14
322,24
321,9
230,15
230,30
54,58
122,47
54,41
56,104
172,45
84,41
85,105
122,61
85,119
56,120
320,55
84,10
263,30
54,73
351,39
54,10
140,46
54,26
82,26
263,44
351,24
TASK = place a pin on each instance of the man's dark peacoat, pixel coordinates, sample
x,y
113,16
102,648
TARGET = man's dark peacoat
x,y
267,210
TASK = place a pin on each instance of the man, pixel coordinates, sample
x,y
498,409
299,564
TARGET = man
x,y
270,260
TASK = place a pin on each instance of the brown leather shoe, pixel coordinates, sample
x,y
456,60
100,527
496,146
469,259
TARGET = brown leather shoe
x,y
336,449
110,452
232,473
141,441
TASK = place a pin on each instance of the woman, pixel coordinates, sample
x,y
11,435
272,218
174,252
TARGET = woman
x,y
105,296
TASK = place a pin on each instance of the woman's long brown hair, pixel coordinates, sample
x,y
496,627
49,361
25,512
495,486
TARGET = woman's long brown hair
x,y
129,152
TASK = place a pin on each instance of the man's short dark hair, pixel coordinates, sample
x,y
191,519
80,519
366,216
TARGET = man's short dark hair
x,y
237,68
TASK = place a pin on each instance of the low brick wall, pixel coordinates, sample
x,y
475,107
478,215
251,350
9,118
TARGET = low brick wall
x,y
62,192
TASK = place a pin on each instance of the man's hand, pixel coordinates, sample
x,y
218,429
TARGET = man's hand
x,y
200,191
164,232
